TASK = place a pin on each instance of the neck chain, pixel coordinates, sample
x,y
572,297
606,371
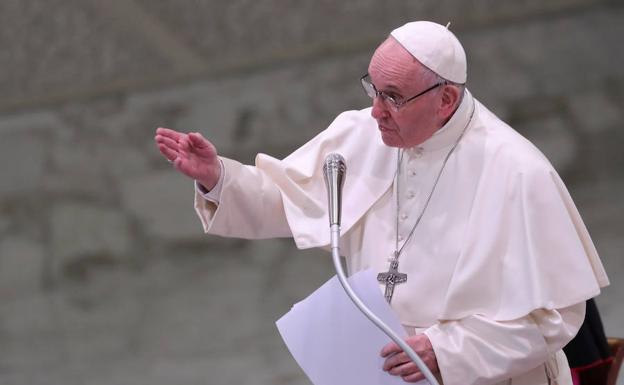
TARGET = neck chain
x,y
392,276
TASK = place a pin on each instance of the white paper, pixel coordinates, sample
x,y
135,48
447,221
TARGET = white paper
x,y
333,342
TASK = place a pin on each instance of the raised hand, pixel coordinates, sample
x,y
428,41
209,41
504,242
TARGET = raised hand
x,y
191,154
398,362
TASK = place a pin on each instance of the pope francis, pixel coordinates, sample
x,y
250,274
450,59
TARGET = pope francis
x,y
479,248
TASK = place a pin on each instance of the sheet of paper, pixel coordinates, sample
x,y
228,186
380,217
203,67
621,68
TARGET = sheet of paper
x,y
333,342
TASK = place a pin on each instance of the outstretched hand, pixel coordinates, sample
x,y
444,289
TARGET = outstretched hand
x,y
398,362
191,154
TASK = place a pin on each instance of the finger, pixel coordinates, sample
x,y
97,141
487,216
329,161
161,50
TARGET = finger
x,y
160,139
395,360
414,377
197,140
175,135
167,152
404,370
185,144
389,349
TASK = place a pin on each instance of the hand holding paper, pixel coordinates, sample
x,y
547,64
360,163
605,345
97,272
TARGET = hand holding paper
x,y
399,364
336,344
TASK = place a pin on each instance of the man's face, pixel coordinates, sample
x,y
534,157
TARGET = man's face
x,y
394,71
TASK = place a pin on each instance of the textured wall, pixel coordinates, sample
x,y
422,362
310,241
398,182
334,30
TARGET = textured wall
x,y
105,275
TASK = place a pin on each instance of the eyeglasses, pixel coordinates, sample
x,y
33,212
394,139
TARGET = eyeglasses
x,y
372,92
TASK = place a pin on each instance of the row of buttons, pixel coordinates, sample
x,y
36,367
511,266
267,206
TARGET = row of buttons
x,y
415,152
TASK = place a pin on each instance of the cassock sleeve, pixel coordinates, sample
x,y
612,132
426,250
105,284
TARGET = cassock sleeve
x,y
287,198
479,350
250,205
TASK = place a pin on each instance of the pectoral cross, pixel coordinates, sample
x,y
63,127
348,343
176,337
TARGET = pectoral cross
x,y
392,277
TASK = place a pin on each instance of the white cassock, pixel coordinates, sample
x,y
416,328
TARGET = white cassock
x,y
499,267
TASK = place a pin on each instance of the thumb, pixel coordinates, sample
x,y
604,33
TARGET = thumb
x,y
390,349
197,140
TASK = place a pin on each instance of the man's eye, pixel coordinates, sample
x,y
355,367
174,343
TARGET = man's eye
x,y
394,97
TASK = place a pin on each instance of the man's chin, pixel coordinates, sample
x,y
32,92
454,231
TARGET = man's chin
x,y
390,139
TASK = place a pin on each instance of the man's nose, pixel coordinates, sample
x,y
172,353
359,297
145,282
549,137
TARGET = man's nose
x,y
379,108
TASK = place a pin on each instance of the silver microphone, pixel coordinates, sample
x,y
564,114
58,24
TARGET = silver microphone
x,y
334,171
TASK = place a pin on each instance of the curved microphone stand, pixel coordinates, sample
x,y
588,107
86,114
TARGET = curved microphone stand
x,y
334,170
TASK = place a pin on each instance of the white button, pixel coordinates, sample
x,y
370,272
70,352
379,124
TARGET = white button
x,y
403,217
418,152
412,172
410,194
400,238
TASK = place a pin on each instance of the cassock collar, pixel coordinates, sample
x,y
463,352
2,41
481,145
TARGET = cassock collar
x,y
447,135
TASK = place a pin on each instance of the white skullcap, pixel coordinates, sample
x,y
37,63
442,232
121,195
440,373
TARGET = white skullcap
x,y
435,47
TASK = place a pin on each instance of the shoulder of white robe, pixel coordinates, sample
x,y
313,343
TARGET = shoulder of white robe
x,y
355,136
525,237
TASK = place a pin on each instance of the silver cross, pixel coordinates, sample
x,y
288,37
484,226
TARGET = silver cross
x,y
391,277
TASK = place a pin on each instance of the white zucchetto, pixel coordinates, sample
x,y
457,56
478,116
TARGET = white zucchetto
x,y
435,47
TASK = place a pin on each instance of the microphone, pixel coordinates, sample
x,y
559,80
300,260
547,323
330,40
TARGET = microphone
x,y
334,170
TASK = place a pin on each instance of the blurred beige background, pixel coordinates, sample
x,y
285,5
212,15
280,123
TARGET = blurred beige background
x,y
105,275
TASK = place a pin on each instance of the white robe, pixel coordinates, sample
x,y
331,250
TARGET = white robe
x,y
498,268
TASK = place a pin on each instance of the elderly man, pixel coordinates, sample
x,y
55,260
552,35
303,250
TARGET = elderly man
x,y
496,261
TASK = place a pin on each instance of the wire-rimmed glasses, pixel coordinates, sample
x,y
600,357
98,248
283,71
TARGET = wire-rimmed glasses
x,y
372,92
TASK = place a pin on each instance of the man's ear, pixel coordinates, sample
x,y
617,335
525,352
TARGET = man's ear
x,y
449,101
